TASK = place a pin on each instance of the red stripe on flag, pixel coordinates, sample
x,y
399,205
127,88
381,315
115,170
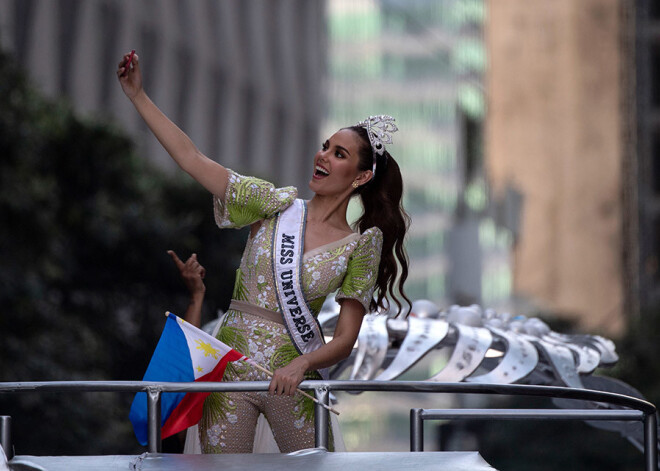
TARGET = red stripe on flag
x,y
189,411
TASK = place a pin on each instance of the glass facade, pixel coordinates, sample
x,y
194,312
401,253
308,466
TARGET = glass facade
x,y
421,61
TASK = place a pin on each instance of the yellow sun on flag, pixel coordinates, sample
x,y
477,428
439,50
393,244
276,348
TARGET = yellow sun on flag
x,y
207,349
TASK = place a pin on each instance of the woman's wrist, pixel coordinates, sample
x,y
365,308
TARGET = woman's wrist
x,y
197,297
140,96
305,365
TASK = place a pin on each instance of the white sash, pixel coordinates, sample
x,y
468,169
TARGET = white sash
x,y
288,245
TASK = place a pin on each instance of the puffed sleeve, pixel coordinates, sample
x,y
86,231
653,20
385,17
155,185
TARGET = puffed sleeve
x,y
250,199
362,269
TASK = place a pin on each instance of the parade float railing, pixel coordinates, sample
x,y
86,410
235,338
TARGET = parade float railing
x,y
629,408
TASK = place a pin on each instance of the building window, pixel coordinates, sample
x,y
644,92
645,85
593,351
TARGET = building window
x,y
655,163
183,19
150,48
217,123
277,140
654,10
110,22
471,142
24,13
248,106
655,74
69,11
651,260
185,71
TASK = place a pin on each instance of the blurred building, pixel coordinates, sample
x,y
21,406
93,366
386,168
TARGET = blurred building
x,y
559,135
253,82
242,78
422,61
643,235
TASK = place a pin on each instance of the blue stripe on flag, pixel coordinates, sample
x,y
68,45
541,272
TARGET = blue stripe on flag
x,y
170,362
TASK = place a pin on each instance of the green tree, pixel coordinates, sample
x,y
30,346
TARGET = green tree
x,y
85,279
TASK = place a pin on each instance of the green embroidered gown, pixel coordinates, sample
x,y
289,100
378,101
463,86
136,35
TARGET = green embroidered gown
x,y
348,266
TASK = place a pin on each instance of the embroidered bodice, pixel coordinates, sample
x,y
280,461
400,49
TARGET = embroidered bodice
x,y
348,266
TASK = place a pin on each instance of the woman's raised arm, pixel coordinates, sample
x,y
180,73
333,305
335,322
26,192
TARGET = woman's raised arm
x,y
209,173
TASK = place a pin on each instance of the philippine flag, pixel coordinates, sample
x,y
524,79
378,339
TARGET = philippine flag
x,y
184,353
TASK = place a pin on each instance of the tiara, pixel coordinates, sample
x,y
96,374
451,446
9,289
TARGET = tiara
x,y
379,129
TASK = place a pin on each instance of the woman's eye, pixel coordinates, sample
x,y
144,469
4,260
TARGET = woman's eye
x,y
324,146
339,154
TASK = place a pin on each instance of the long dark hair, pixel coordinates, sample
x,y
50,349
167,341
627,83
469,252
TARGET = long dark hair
x,y
381,200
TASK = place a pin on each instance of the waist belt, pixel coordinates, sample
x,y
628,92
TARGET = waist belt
x,y
248,308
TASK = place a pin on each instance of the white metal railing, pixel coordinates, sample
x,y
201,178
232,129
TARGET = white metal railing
x,y
631,408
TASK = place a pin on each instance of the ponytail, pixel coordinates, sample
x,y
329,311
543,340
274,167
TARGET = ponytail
x,y
381,200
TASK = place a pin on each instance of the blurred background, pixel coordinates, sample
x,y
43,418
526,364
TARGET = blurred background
x,y
529,131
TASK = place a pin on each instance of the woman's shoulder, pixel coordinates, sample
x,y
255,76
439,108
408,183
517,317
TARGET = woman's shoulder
x,y
250,199
372,237
238,182
371,233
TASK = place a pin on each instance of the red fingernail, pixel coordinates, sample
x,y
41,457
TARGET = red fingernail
x,y
130,59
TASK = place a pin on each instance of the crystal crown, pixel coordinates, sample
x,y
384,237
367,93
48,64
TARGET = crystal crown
x,y
380,129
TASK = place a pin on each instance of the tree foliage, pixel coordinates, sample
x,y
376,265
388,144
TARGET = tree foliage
x,y
85,279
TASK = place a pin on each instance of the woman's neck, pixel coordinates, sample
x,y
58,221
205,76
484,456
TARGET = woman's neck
x,y
328,210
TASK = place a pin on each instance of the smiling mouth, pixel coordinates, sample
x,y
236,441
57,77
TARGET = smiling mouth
x,y
320,172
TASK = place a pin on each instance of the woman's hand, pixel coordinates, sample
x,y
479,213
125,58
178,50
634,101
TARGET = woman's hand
x,y
285,380
192,273
130,76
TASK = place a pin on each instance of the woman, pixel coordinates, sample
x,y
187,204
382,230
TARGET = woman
x,y
296,254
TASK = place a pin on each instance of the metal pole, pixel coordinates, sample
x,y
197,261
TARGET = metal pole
x,y
5,436
651,442
416,430
153,420
544,414
321,417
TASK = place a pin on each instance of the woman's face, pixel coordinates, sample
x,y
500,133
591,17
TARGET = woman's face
x,y
336,165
